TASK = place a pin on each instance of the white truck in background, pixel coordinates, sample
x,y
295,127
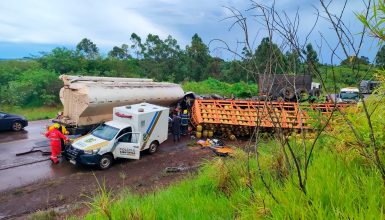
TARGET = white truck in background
x,y
88,101
348,95
134,128
368,86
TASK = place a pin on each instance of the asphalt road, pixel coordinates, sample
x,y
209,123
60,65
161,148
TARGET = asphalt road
x,y
12,143
41,167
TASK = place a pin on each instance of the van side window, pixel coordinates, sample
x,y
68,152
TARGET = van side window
x,y
135,138
129,138
126,138
125,130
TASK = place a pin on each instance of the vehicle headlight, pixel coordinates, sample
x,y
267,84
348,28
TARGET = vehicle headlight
x,y
91,151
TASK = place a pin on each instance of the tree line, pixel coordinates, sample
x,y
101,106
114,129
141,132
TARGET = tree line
x,y
35,81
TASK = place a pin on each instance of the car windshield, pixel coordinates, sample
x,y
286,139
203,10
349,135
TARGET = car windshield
x,y
349,95
105,132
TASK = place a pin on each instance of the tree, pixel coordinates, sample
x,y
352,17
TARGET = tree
x,y
199,57
269,58
380,57
87,49
311,58
355,60
137,45
61,60
234,71
293,62
153,47
34,87
215,67
121,53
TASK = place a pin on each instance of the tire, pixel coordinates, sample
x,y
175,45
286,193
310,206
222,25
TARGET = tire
x,y
287,93
17,126
153,147
105,162
302,94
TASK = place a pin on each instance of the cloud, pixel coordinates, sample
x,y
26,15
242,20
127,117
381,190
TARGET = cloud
x,y
67,22
111,22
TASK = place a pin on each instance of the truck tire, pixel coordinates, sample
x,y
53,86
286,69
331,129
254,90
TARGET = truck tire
x,y
17,126
287,93
105,162
302,94
153,147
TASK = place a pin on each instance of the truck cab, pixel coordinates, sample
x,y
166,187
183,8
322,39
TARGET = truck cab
x,y
134,128
368,86
348,95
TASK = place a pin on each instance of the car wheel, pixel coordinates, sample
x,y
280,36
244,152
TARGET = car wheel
x,y
153,147
17,126
105,162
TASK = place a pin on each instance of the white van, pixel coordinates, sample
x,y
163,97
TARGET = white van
x,y
134,128
348,95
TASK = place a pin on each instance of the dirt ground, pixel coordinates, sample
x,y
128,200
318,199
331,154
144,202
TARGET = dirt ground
x,y
139,176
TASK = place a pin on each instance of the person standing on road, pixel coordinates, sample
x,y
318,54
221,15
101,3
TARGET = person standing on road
x,y
176,120
62,130
55,136
184,122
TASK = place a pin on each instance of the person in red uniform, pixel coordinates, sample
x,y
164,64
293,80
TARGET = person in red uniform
x,y
55,136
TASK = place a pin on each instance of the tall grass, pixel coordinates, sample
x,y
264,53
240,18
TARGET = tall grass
x,y
33,113
339,187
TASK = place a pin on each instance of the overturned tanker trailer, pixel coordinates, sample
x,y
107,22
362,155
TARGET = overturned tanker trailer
x,y
88,101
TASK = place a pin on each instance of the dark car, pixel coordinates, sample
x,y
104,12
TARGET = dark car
x,y
12,122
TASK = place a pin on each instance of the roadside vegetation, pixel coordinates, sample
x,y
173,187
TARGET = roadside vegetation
x,y
343,183
34,113
213,86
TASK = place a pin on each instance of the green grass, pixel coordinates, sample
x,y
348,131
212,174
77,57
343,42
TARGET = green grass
x,y
338,188
34,113
43,215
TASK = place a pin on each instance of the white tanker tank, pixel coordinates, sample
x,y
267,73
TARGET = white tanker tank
x,y
89,100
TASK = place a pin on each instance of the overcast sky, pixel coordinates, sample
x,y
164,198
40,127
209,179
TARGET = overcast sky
x,y
27,27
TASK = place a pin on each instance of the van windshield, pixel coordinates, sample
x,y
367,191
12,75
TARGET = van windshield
x,y
349,95
105,132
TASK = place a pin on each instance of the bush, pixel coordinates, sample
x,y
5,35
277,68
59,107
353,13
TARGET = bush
x,y
213,86
34,87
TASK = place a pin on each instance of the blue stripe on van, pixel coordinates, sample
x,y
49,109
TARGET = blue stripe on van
x,y
152,122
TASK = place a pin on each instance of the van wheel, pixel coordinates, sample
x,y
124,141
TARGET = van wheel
x,y
105,162
153,147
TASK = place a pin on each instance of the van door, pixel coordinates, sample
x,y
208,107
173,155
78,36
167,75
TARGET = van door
x,y
128,145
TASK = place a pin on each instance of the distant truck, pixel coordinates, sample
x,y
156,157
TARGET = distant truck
x,y
348,95
368,86
287,87
133,129
88,101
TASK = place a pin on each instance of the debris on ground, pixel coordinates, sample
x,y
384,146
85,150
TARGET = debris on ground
x,y
180,168
217,146
34,150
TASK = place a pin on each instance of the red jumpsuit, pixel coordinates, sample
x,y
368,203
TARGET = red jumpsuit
x,y
54,135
